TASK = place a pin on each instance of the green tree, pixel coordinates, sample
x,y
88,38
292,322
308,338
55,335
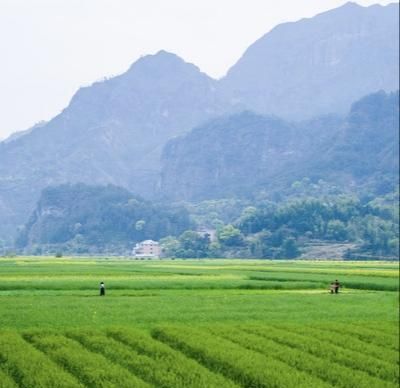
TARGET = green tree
x,y
193,244
230,236
248,220
336,230
289,249
170,246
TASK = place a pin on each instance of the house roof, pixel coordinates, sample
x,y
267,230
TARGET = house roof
x,y
148,242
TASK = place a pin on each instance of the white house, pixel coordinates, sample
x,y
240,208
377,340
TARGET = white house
x,y
147,248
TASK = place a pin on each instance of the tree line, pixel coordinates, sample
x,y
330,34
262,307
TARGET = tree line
x,y
282,230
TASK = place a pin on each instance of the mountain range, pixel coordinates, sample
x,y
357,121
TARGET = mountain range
x,y
319,65
115,131
241,155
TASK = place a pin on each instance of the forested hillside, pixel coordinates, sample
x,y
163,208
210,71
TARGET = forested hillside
x,y
92,219
108,219
245,154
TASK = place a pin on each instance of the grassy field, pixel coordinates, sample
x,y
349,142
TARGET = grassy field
x,y
197,323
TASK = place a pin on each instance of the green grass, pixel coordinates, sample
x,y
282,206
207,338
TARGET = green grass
x,y
197,323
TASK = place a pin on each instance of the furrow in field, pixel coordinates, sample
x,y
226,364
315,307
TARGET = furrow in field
x,y
331,352
345,341
91,368
384,327
157,372
384,340
331,372
386,330
29,367
117,353
246,367
173,367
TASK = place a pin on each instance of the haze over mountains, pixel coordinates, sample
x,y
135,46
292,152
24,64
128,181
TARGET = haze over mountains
x,y
319,65
115,131
243,154
112,132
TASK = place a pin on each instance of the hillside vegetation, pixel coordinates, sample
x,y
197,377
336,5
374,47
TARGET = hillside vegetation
x,y
91,219
244,154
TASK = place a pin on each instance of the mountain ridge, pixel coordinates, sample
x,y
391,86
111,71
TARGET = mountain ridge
x,y
307,68
244,154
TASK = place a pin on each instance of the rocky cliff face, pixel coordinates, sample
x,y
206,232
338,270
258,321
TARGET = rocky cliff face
x,y
227,156
319,65
243,154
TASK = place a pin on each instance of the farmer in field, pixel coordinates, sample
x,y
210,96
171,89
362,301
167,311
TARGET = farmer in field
x,y
332,288
336,286
102,289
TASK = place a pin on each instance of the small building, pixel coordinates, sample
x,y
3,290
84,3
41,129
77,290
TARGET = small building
x,y
147,249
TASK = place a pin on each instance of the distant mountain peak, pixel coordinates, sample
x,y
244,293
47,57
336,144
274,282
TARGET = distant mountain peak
x,y
166,54
161,62
351,4
305,68
161,55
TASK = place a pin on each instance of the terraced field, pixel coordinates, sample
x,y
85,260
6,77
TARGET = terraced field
x,y
209,323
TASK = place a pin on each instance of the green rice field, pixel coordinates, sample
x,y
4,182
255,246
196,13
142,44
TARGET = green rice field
x,y
197,323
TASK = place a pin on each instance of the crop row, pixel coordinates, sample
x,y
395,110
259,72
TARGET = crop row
x,y
373,336
350,270
6,381
348,281
187,371
214,356
30,368
330,352
346,341
93,369
384,327
188,283
246,367
335,374
332,271
149,359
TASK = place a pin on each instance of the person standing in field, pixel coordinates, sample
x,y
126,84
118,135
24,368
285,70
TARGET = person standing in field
x,y
102,289
336,286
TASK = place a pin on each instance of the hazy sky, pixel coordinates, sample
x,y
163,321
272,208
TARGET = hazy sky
x,y
49,48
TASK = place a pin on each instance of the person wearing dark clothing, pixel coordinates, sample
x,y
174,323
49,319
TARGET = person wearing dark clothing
x,y
102,289
336,285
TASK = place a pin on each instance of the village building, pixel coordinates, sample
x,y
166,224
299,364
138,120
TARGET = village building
x,y
147,249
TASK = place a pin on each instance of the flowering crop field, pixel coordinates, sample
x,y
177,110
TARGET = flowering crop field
x,y
197,323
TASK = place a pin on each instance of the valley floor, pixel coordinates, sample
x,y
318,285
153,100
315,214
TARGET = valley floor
x,y
197,323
